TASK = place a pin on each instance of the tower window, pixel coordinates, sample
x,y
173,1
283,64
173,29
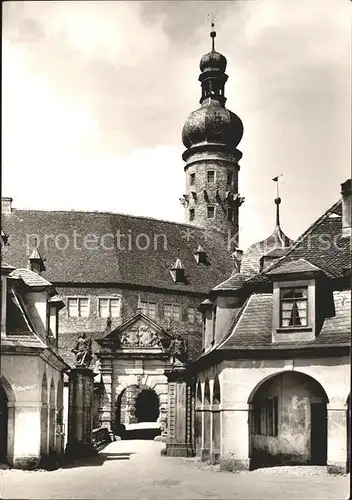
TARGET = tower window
x,y
211,176
210,212
192,214
192,179
230,214
229,178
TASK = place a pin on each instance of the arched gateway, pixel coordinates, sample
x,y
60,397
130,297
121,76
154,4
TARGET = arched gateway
x,y
137,404
288,421
133,359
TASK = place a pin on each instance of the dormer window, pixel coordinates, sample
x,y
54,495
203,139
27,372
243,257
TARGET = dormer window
x,y
201,256
178,272
297,314
293,307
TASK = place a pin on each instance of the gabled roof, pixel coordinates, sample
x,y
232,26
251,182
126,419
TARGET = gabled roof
x,y
69,260
293,267
234,282
322,245
137,320
30,278
7,268
250,264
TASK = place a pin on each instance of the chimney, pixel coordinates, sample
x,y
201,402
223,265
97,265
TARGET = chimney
x,y
6,205
346,208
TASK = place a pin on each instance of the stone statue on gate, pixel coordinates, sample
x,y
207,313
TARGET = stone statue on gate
x,y
178,351
83,351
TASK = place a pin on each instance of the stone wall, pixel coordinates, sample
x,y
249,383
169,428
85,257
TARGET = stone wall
x,y
93,323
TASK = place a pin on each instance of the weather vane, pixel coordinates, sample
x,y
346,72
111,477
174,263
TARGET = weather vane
x,y
277,200
212,19
276,179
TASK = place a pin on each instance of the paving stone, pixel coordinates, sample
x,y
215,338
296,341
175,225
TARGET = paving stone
x,y
135,469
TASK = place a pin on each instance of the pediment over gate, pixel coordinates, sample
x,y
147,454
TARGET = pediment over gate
x,y
138,333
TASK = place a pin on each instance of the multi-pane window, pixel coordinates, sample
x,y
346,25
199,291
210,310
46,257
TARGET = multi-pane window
x,y
229,178
191,315
172,311
211,176
210,212
265,417
109,307
192,214
78,307
149,309
293,307
192,179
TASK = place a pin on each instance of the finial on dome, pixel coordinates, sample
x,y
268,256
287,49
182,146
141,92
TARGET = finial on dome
x,y
213,32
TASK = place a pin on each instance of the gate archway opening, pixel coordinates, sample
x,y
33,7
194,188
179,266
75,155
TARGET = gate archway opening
x,y
137,413
288,421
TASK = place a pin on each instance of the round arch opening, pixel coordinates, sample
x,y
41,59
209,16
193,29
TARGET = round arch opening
x,y
137,413
288,421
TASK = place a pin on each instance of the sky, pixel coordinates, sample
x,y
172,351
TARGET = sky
x,y
95,95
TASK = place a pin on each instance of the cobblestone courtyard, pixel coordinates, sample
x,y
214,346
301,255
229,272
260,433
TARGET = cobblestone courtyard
x,y
136,470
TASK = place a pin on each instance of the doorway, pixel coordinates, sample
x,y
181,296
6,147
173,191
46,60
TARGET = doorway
x,y
147,406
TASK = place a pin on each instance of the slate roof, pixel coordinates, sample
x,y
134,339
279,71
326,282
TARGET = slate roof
x,y
70,262
30,278
253,327
250,263
234,282
321,245
293,267
6,266
320,248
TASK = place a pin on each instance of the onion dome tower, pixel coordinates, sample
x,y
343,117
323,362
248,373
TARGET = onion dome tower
x,y
211,135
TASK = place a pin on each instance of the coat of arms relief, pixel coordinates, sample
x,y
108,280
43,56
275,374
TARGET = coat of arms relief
x,y
140,336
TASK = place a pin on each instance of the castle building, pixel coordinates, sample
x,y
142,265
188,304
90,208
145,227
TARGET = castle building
x,y
119,275
267,330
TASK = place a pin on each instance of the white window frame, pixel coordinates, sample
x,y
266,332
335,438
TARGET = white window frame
x,y
109,297
290,333
194,315
148,302
77,297
173,305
